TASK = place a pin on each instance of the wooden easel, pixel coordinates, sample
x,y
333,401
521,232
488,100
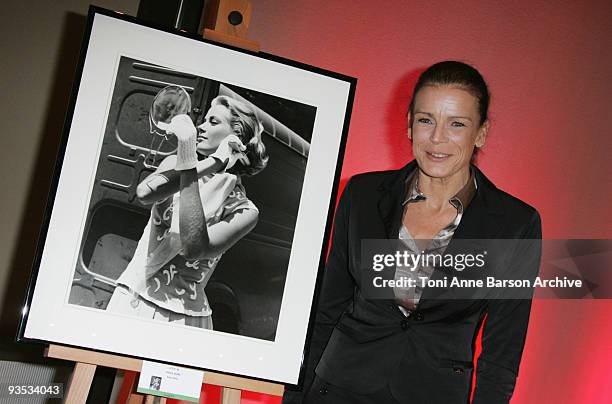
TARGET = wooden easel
x,y
86,362
227,22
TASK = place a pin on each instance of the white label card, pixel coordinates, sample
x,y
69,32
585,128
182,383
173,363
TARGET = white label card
x,y
170,381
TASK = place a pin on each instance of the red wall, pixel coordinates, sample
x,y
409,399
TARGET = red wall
x,y
548,64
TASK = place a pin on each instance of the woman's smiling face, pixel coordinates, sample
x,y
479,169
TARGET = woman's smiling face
x,y
445,129
215,127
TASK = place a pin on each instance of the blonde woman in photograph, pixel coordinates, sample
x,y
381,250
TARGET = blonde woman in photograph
x,y
199,210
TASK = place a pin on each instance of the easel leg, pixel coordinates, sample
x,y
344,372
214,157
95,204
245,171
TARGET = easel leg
x,y
154,400
230,396
80,382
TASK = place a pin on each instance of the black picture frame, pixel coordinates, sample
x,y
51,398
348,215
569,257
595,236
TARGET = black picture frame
x,y
111,42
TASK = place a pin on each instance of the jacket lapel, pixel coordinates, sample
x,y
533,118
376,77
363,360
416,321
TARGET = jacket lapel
x,y
392,195
482,220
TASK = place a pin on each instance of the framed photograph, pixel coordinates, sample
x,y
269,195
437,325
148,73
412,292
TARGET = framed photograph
x,y
191,203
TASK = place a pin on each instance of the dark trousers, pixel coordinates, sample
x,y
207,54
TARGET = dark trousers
x,y
322,392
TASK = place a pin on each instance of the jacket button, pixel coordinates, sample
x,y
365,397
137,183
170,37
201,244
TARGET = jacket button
x,y
458,370
418,316
323,390
404,325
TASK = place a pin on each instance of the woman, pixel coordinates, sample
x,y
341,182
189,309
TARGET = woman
x,y
414,348
199,211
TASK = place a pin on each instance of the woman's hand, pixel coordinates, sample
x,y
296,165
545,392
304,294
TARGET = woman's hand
x,y
230,151
183,128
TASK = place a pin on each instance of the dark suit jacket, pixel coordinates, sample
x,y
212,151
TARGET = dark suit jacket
x,y
364,344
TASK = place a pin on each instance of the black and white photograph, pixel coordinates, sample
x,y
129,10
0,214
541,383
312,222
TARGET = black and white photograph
x,y
249,153
155,383
191,204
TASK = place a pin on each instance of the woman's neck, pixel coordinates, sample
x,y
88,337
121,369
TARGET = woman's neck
x,y
439,191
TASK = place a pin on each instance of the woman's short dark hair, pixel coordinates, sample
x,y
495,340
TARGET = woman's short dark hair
x,y
248,128
455,74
